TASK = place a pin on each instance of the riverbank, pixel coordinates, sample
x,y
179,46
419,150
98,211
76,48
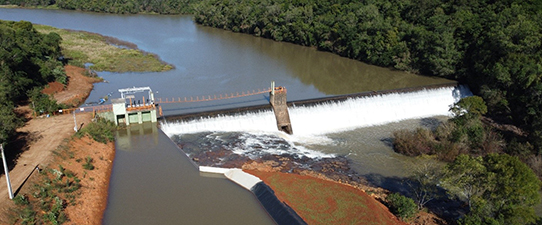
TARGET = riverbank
x,y
104,53
304,184
47,143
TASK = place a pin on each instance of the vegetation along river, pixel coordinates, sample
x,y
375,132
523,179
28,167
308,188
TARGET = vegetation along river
x,y
152,181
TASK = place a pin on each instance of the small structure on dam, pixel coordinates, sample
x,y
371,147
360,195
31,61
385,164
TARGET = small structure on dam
x,y
127,110
277,98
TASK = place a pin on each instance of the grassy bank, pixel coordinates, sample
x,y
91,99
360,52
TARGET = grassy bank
x,y
104,53
324,202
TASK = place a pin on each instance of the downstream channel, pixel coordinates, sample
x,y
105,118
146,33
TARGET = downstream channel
x,y
153,182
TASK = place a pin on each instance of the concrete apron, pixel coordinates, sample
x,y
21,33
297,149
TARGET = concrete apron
x,y
278,210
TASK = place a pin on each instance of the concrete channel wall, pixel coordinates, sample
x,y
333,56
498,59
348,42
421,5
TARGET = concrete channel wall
x,y
278,210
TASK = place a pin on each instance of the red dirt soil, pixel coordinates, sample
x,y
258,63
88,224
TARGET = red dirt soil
x,y
47,134
92,200
306,204
52,88
77,90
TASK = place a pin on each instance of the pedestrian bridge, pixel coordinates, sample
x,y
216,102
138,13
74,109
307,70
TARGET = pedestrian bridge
x,y
127,110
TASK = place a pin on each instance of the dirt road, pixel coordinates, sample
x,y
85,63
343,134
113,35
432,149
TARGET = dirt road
x,y
45,134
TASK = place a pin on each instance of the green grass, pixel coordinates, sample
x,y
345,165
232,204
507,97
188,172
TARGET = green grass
x,y
101,131
88,163
84,47
49,197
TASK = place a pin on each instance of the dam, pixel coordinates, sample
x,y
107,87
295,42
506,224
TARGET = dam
x,y
326,115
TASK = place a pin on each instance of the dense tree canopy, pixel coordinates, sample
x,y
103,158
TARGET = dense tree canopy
x,y
494,46
499,188
113,6
28,59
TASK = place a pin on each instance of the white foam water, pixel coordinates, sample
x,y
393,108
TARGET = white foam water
x,y
310,124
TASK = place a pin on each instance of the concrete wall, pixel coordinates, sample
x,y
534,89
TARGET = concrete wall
x,y
236,175
278,210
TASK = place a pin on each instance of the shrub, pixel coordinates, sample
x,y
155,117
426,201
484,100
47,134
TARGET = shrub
x,y
88,165
413,143
100,131
403,207
535,163
447,151
43,103
20,200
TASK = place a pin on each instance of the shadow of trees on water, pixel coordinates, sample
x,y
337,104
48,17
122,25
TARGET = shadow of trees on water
x,y
441,205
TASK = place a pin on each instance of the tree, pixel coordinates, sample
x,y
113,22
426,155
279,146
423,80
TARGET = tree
x,y
8,121
469,107
514,189
423,182
402,206
27,60
499,188
42,103
465,178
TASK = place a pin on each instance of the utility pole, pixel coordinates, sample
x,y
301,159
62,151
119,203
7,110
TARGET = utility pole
x,y
6,171
74,122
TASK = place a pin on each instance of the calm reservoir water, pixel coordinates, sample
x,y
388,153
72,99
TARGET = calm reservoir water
x,y
210,61
153,182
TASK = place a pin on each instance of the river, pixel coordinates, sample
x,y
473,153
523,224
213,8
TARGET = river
x,y
153,182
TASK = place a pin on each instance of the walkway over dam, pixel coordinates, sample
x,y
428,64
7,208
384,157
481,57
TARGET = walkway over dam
x,y
149,109
307,102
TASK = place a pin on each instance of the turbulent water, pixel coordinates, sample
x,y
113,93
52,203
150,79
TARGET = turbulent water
x,y
254,134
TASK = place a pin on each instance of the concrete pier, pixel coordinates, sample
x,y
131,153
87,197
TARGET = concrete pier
x,y
277,98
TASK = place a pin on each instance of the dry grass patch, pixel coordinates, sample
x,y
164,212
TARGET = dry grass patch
x,y
325,202
84,47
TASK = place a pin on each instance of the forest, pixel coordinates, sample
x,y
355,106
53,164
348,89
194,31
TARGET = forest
x,y
28,61
111,6
493,46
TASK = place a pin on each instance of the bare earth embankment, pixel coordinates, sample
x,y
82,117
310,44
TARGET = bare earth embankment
x,y
44,136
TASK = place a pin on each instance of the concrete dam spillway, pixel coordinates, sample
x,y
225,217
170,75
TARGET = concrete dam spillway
x,y
254,132
327,115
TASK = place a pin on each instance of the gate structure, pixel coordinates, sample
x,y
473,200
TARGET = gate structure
x,y
277,98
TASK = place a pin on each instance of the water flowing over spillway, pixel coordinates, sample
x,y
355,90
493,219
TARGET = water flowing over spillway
x,y
333,117
257,131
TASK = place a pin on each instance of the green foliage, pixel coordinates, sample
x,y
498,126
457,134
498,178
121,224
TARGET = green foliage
x,y
48,200
469,107
101,131
42,103
465,178
102,52
110,6
88,163
9,121
464,133
21,200
401,206
423,182
499,188
27,61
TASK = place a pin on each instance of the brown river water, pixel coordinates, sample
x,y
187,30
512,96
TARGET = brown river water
x,y
153,182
